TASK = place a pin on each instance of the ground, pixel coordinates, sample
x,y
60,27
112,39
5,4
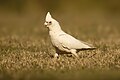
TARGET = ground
x,y
25,53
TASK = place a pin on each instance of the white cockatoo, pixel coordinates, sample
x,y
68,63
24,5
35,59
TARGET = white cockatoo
x,y
63,42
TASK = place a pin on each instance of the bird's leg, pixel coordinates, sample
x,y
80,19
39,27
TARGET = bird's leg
x,y
56,55
73,51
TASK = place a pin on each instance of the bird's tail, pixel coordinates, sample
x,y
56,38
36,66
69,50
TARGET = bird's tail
x,y
92,48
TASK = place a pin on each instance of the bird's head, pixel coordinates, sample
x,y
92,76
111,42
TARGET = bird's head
x,y
51,23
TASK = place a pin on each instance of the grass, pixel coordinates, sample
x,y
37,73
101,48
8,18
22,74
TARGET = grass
x,y
25,53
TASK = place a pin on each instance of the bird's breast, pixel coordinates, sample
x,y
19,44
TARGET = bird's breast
x,y
56,42
54,38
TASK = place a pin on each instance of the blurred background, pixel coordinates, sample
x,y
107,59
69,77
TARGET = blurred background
x,y
27,16
24,43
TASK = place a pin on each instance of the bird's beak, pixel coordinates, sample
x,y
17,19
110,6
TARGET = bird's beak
x,y
45,24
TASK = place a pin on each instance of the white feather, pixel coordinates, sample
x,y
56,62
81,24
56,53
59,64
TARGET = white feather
x,y
62,40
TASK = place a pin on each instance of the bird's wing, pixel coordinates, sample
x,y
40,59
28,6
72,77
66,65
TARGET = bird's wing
x,y
72,43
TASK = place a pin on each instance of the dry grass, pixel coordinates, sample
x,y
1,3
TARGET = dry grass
x,y
25,53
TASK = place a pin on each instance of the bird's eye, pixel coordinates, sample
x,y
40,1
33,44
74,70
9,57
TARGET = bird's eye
x,y
50,22
46,22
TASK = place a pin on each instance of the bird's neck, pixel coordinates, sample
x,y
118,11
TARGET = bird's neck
x,y
56,31
55,28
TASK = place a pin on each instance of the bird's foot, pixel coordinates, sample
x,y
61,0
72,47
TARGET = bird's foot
x,y
74,53
56,56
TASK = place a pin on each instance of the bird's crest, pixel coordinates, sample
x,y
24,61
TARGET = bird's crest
x,y
48,17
